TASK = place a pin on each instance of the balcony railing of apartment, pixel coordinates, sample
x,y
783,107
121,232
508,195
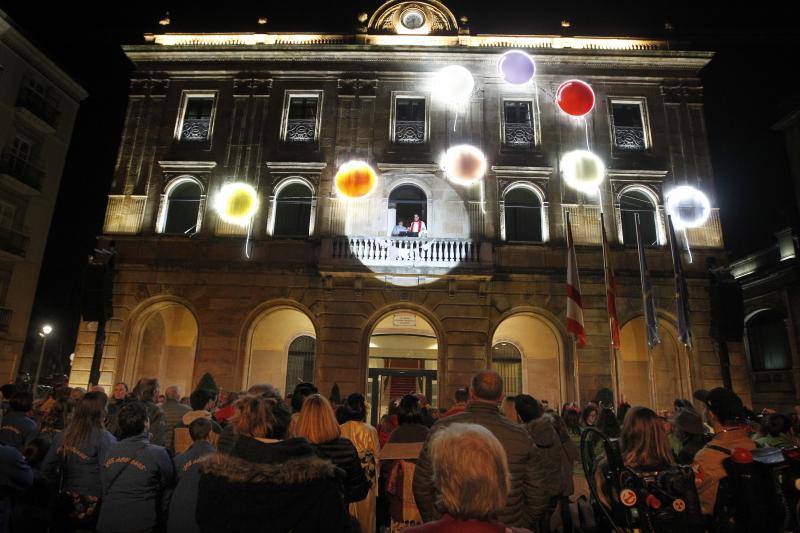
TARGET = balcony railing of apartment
x,y
195,129
5,319
13,242
409,131
39,106
629,138
301,130
406,251
21,170
518,134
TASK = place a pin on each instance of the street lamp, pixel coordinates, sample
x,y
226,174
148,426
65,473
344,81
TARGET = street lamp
x,y
47,329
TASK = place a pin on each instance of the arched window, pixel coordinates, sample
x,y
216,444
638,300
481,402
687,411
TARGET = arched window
x,y
407,201
632,202
507,361
183,209
523,214
293,211
300,367
768,342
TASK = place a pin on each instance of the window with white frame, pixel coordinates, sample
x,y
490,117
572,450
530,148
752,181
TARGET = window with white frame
x,y
197,117
634,202
301,118
522,209
293,205
182,208
410,119
518,125
629,125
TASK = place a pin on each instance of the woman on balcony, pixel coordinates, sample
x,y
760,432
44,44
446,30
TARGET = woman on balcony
x,y
418,228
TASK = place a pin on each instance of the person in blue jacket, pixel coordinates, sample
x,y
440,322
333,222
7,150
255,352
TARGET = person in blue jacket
x,y
18,428
183,505
15,477
136,476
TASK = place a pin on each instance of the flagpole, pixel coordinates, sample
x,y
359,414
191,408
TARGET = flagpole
x,y
613,349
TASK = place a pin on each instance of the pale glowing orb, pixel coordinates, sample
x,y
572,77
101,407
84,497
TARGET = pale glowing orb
x,y
516,67
464,164
355,179
236,203
688,207
453,84
583,171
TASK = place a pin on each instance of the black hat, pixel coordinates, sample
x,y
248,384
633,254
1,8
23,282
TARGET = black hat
x,y
725,404
688,421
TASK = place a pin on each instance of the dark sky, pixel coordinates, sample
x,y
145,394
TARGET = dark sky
x,y
746,89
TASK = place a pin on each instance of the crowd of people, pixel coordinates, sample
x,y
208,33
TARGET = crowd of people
x,y
261,461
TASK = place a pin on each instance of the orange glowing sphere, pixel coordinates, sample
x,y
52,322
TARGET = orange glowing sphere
x,y
356,179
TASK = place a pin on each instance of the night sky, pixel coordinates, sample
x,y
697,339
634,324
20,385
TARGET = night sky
x,y
746,91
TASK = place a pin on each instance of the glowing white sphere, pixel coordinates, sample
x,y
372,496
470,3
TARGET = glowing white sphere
x,y
464,164
453,84
688,207
236,203
583,171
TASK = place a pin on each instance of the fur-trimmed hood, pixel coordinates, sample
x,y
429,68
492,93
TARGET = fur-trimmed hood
x,y
292,472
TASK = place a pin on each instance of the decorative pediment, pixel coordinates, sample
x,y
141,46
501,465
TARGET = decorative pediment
x,y
413,18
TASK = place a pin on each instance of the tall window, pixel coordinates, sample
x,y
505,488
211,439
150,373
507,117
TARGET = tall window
x,y
183,209
293,211
301,119
507,361
632,202
300,367
409,120
8,214
518,123
406,201
628,125
768,342
197,116
523,215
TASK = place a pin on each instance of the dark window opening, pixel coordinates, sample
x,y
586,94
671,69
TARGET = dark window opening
x,y
628,126
768,342
183,207
301,122
518,123
507,361
197,119
409,120
293,212
407,201
300,367
523,212
631,203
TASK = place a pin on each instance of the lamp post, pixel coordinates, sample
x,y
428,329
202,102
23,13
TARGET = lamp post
x,y
47,329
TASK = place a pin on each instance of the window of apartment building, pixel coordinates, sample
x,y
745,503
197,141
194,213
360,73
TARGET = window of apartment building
x,y
40,99
507,361
518,123
629,125
21,150
523,215
631,203
768,341
300,367
409,125
8,214
301,118
197,117
183,208
293,205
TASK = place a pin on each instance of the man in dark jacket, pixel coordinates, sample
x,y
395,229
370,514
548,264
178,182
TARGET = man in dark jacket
x,y
529,496
15,477
146,392
183,504
18,428
173,413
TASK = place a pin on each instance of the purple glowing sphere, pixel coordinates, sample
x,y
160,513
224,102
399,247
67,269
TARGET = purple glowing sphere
x,y
516,67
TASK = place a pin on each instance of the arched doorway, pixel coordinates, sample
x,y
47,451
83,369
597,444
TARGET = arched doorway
x,y
541,361
406,201
403,359
654,378
280,349
165,346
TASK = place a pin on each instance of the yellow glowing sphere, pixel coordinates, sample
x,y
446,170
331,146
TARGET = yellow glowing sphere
x,y
236,203
356,179
583,171
464,164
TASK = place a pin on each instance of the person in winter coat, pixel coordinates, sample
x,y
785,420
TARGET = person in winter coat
x,y
528,498
147,392
18,428
135,475
267,483
173,414
15,477
183,504
75,456
317,423
365,438
540,428
119,397
200,401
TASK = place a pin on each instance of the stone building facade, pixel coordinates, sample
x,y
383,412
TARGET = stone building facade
x,y
38,106
316,288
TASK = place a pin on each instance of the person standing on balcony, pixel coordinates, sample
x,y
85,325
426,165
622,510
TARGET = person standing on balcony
x,y
400,229
417,228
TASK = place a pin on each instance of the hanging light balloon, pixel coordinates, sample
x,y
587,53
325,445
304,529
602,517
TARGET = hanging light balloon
x,y
355,179
516,67
688,207
453,84
575,98
236,203
464,164
583,171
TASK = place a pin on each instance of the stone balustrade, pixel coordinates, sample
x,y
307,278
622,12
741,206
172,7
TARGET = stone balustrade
x,y
405,251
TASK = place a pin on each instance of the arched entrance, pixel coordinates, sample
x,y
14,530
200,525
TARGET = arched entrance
x,y
654,378
280,349
165,343
540,370
403,359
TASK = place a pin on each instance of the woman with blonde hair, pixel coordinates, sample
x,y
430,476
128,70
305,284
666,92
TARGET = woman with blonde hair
x,y
352,416
317,423
470,473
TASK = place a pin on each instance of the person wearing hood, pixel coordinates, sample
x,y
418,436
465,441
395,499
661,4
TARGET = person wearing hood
x,y
268,482
688,429
183,504
545,438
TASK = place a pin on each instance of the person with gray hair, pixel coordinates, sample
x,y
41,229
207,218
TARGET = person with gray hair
x,y
528,496
173,414
471,477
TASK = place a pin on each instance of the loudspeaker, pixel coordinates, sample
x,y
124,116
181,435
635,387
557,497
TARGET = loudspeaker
x,y
727,311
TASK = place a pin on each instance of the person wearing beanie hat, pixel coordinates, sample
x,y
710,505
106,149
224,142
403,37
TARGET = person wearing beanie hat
x,y
723,409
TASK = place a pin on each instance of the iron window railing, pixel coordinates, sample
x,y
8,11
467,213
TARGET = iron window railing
x,y
629,138
195,129
519,133
409,131
301,130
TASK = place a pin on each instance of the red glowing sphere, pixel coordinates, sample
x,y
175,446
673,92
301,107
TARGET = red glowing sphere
x,y
575,98
741,456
